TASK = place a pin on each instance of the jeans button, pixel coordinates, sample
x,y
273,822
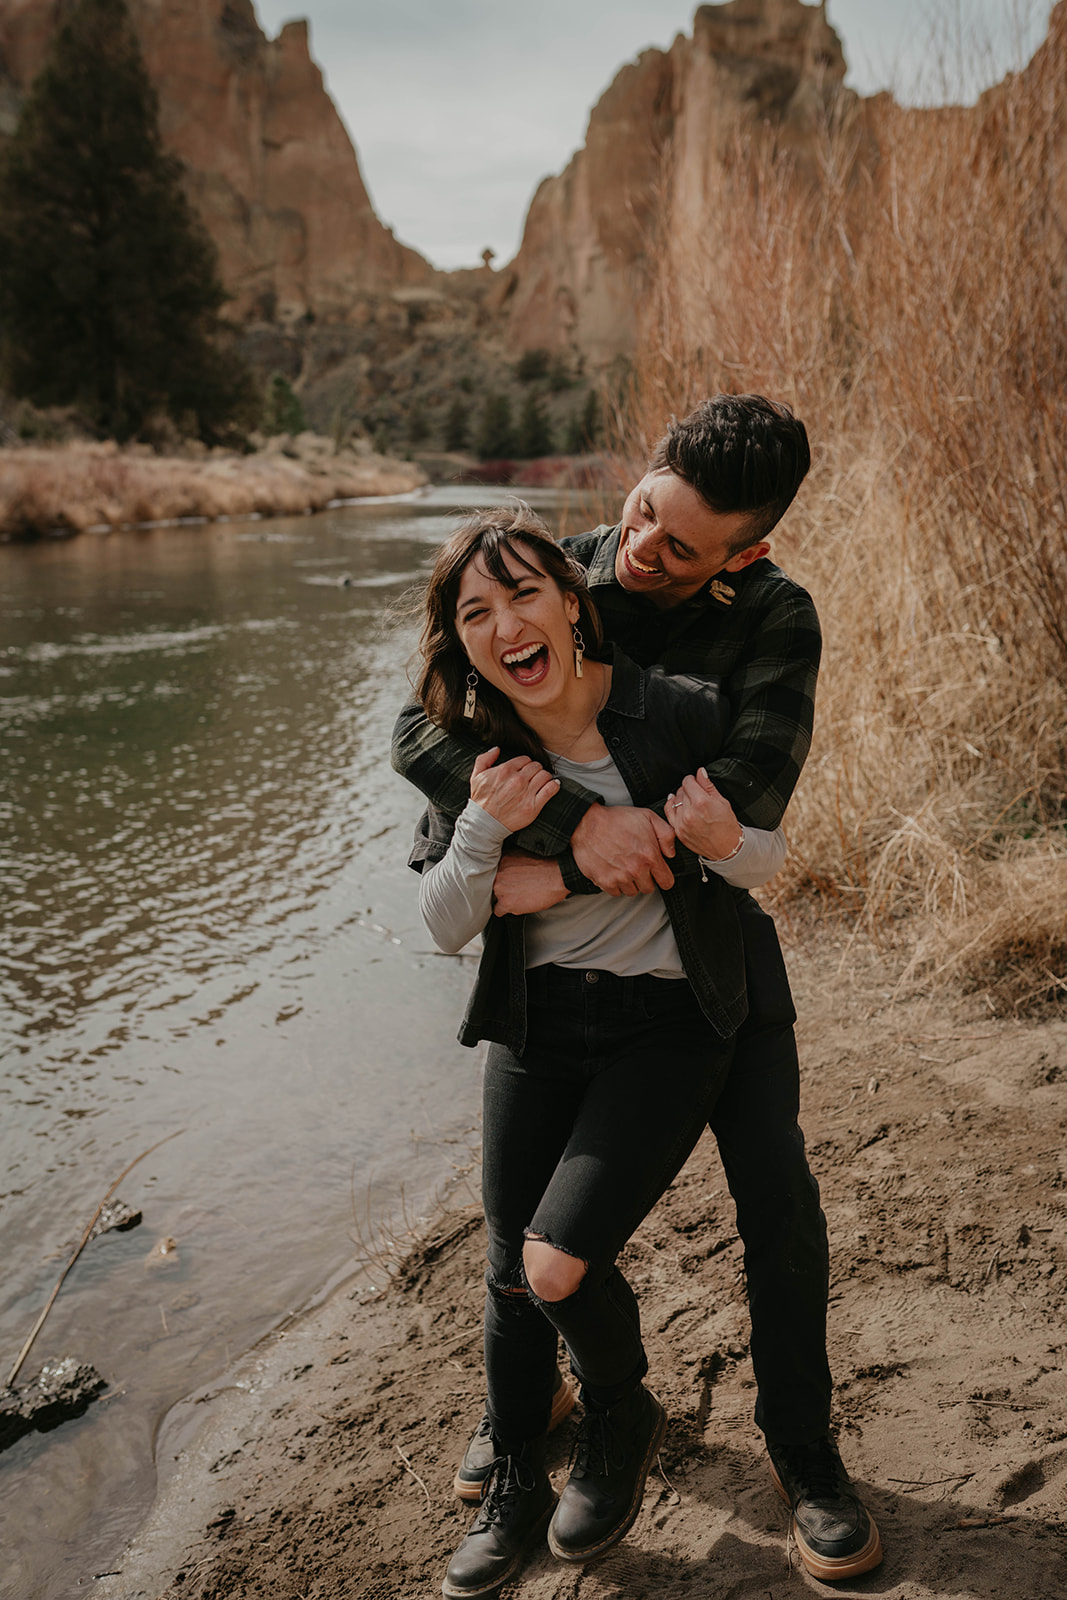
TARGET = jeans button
x,y
592,977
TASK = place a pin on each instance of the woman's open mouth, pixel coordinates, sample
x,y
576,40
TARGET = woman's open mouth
x,y
528,664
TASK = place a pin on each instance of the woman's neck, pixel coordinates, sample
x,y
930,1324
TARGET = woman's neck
x,y
569,727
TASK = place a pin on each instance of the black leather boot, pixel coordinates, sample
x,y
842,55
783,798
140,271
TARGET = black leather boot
x,y
473,1471
613,1454
835,1533
518,1502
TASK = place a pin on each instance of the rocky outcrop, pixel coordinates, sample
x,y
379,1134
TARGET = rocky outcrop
x,y
270,166
648,173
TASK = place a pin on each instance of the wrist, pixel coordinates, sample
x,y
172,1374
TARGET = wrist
x,y
730,854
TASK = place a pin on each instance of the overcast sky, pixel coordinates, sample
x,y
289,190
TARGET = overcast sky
x,y
458,108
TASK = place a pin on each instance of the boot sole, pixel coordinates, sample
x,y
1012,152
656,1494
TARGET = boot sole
x,y
451,1591
831,1569
593,1552
472,1489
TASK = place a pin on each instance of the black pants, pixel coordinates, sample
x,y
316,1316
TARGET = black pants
x,y
782,1227
581,1136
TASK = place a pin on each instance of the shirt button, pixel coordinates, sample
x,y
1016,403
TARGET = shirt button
x,y
592,977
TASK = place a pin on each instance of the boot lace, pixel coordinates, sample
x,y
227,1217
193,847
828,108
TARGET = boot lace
x,y
816,1470
596,1448
509,1477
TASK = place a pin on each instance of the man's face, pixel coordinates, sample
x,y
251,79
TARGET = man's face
x,y
672,542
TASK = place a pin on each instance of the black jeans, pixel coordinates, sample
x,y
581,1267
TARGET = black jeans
x,y
779,1218
581,1136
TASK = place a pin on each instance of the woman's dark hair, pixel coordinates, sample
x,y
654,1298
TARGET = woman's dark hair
x,y
441,686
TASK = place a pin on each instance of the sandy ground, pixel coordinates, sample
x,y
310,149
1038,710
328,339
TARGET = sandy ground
x,y
939,1136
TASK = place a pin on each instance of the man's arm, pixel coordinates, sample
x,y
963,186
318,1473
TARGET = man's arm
x,y
771,691
440,765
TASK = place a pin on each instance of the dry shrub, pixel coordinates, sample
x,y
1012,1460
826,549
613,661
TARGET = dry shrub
x,y
904,292
77,486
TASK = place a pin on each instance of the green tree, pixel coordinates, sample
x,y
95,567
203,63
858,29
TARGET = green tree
x,y
583,430
496,436
418,426
109,286
457,427
282,410
532,364
535,430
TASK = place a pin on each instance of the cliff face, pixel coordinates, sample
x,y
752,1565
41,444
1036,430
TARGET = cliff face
x,y
647,175
270,166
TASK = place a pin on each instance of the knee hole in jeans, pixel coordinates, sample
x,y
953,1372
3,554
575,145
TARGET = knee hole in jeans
x,y
552,1274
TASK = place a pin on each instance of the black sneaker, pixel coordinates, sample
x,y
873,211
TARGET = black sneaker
x,y
518,1502
612,1456
835,1535
473,1470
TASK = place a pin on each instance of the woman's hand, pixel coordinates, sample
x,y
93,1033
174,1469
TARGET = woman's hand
x,y
514,792
704,819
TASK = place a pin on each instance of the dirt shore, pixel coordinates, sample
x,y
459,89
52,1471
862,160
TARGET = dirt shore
x,y
939,1136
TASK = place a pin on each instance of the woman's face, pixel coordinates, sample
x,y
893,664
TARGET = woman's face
x,y
521,640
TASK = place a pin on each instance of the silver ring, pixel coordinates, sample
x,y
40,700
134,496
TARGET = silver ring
x,y
675,805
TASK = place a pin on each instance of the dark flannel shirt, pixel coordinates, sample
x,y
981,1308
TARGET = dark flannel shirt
x,y
755,632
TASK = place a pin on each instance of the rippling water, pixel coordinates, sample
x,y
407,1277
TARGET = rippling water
x,y
207,927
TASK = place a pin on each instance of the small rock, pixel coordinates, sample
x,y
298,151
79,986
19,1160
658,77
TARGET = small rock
x,y
115,1217
163,1253
61,1390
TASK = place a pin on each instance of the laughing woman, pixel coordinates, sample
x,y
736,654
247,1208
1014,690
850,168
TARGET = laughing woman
x,y
610,1019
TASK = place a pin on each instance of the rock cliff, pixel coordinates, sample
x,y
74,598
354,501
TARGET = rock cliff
x,y
646,176
270,165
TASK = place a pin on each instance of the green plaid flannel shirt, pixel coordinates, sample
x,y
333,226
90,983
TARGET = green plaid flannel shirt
x,y
755,632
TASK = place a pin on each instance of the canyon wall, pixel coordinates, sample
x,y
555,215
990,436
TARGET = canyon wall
x,y
270,166
647,176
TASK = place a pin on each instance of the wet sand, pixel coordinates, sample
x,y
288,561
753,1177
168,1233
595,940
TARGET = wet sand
x,y
939,1137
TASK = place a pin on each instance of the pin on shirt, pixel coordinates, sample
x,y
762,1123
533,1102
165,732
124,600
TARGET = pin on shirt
x,y
722,591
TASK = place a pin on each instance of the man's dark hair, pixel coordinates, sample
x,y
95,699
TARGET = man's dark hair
x,y
740,452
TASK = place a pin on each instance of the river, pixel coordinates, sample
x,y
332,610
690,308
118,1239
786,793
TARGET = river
x,y
209,931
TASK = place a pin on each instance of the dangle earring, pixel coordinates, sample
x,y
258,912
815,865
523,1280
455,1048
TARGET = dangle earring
x,y
579,652
472,698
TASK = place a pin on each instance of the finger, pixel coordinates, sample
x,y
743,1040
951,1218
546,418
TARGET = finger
x,y
664,836
705,782
663,877
483,762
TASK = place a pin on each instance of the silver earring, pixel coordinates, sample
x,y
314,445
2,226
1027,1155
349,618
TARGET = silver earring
x,y
472,697
579,652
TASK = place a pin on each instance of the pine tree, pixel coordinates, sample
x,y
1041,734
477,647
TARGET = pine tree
x,y
496,437
535,430
282,408
456,426
109,286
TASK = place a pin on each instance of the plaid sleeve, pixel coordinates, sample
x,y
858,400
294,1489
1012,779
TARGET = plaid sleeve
x,y
439,765
771,688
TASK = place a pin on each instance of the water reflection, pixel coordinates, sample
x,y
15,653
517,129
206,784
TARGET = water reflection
x,y
208,926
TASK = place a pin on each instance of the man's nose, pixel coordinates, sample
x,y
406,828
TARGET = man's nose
x,y
645,543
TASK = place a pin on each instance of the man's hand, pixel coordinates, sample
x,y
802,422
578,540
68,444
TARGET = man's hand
x,y
703,818
526,883
622,849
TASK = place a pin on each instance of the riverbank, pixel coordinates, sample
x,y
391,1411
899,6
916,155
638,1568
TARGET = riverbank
x,y
80,486
323,1466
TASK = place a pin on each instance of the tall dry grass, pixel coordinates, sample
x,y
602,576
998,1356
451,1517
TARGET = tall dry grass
x,y
909,303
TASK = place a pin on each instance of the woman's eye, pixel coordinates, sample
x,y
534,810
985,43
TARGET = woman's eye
x,y
524,594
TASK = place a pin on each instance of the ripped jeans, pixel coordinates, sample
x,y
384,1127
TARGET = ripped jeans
x,y
581,1136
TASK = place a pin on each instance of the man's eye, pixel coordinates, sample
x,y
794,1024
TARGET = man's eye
x,y
645,510
680,551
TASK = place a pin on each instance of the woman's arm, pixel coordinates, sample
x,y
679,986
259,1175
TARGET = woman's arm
x,y
456,893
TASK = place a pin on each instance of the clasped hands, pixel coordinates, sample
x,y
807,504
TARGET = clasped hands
x,y
622,849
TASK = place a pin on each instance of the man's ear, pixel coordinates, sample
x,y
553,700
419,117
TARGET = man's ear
x,y
745,558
